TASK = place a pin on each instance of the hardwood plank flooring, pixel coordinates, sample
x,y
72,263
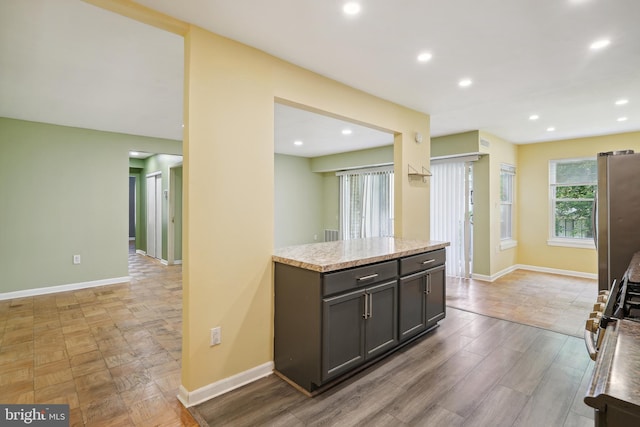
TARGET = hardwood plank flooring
x,y
112,353
448,378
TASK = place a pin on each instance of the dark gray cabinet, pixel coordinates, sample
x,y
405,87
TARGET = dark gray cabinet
x,y
329,324
412,310
436,279
421,292
357,326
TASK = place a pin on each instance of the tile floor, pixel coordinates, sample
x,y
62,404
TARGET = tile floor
x,y
112,352
549,301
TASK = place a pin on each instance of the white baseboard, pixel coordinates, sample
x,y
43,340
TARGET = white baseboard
x,y
62,288
513,268
141,252
177,261
558,271
192,398
495,276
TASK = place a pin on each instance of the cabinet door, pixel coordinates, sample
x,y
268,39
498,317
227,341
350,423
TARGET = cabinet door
x,y
342,333
381,327
412,304
436,282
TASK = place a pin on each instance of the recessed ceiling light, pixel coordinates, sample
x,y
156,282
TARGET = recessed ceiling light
x,y
351,8
465,83
133,153
622,119
534,117
622,101
599,44
298,143
424,57
550,129
347,131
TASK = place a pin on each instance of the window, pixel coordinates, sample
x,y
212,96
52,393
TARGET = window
x,y
366,203
507,173
573,184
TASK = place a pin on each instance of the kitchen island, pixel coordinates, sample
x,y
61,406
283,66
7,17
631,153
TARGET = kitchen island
x,y
341,306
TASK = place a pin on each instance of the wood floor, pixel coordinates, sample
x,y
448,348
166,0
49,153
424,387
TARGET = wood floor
x,y
112,353
471,371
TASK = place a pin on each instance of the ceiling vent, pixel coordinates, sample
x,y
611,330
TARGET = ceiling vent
x,y
485,143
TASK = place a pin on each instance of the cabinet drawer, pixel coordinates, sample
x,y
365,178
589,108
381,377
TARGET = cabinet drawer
x,y
422,261
360,276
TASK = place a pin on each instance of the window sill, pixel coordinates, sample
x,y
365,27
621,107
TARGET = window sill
x,y
572,243
508,244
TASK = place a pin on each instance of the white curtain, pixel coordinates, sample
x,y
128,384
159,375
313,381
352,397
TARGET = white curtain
x,y
366,203
448,210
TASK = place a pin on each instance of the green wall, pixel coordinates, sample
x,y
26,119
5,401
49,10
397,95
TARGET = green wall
x,y
65,192
456,144
298,202
353,159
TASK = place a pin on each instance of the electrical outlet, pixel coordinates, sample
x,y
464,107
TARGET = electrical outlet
x,y
76,259
215,336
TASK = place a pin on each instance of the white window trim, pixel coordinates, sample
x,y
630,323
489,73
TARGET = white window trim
x,y
563,241
508,244
572,243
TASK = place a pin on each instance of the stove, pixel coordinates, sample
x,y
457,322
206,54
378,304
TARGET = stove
x,y
612,337
622,301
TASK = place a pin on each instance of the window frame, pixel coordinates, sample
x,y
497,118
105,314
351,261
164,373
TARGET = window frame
x,y
387,169
508,171
571,242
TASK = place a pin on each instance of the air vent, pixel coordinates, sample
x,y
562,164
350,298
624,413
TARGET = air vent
x,y
330,235
485,143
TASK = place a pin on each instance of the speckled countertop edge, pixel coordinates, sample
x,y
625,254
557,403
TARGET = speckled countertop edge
x,y
331,256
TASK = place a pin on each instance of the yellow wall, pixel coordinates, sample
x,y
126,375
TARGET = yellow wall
x,y
500,152
230,90
533,200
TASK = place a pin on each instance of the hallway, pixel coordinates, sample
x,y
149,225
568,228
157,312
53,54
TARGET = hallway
x,y
112,353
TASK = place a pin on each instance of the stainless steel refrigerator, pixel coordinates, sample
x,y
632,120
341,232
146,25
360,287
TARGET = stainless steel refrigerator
x,y
617,214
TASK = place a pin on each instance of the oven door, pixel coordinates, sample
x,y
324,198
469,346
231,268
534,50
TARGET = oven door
x,y
603,311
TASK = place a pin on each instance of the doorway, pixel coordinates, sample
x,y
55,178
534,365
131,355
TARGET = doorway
x,y
451,211
154,215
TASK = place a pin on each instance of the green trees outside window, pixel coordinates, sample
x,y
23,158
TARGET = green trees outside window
x,y
573,189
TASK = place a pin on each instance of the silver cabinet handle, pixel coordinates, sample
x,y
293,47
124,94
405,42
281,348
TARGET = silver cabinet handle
x,y
370,305
366,305
371,276
429,261
428,284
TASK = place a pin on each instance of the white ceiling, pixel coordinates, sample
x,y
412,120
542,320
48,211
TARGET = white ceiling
x,y
67,62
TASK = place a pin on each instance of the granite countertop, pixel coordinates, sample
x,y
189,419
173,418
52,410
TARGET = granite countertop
x,y
331,256
616,375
